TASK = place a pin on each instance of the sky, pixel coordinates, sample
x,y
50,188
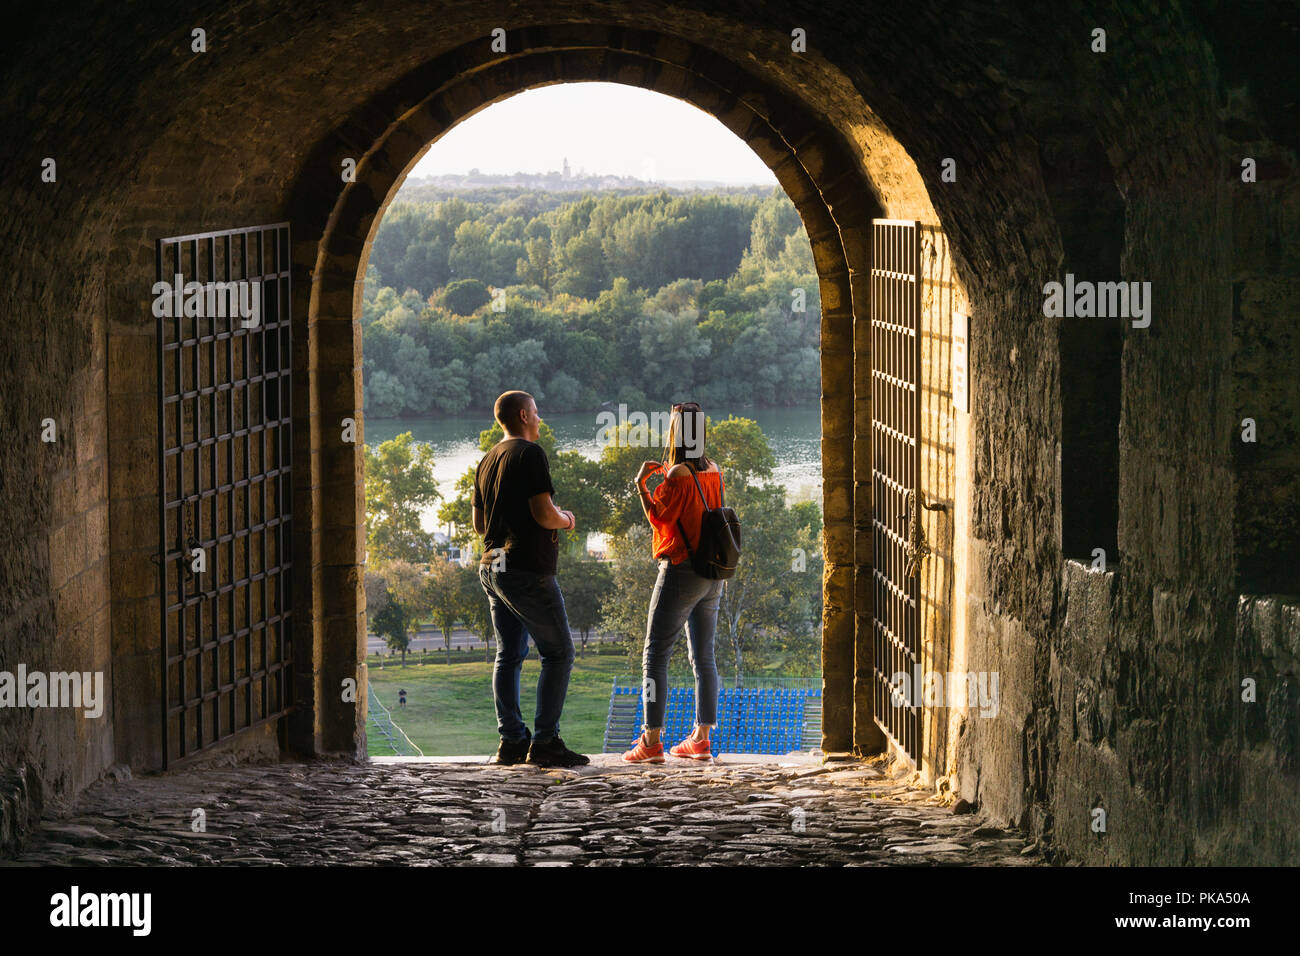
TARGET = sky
x,y
605,128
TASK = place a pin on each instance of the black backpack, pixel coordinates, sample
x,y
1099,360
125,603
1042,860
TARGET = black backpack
x,y
719,547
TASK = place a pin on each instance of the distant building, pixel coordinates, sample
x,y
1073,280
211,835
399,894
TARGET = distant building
x,y
461,556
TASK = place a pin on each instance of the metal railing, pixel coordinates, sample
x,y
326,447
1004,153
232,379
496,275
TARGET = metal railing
x,y
746,683
381,720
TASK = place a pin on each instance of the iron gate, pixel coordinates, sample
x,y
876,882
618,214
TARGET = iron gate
x,y
895,476
225,445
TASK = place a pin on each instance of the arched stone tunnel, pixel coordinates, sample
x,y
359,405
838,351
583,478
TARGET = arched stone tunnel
x,y
1160,686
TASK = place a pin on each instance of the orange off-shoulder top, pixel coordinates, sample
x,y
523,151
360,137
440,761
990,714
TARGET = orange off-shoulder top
x,y
676,499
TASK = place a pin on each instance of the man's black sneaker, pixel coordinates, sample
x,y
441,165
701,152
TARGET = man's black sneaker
x,y
511,752
553,753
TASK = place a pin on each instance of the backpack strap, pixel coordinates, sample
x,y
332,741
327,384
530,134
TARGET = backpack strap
x,y
722,493
686,541
704,501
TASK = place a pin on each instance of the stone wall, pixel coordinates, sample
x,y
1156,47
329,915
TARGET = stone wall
x,y
1119,689
1123,688
54,475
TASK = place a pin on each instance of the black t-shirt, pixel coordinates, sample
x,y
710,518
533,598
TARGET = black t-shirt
x,y
510,473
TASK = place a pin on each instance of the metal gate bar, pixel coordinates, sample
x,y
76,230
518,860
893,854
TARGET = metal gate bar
x,y
895,474
225,450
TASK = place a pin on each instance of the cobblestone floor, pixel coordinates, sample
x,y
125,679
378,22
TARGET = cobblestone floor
x,y
608,814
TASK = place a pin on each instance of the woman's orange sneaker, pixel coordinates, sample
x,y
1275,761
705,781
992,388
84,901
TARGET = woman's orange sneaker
x,y
644,753
693,749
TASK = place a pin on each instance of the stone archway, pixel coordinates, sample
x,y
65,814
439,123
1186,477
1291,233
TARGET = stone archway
x,y
840,174
814,163
1118,687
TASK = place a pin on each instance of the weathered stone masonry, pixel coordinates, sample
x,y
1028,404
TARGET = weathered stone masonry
x,y
1120,690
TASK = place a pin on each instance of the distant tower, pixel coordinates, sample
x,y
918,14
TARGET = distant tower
x,y
565,174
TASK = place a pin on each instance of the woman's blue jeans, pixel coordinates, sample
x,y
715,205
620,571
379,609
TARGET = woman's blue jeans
x,y
681,597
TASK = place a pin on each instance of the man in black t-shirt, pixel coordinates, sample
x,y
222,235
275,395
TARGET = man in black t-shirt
x,y
520,525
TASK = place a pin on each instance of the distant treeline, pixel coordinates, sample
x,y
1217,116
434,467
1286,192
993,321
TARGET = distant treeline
x,y
640,299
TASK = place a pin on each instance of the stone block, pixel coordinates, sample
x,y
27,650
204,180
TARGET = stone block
x,y
132,365
343,545
133,468
66,550
92,484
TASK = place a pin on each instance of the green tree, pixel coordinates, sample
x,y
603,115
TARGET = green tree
x,y
563,392
741,449
410,595
801,646
450,392
399,486
767,594
511,365
385,395
391,624
443,598
474,610
586,266
624,613
796,255
775,219
471,252
465,296
577,481
537,268
582,266
590,362
678,296
588,585
626,447
456,513
617,307
669,348
376,587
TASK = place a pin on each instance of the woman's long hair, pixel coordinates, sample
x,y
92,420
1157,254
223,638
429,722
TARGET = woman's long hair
x,y
686,437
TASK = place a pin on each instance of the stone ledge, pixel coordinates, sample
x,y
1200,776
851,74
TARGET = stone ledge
x,y
20,805
1272,623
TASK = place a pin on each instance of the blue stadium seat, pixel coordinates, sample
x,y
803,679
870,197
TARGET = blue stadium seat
x,y
750,720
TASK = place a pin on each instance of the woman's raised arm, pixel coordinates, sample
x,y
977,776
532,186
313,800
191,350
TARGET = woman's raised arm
x,y
647,498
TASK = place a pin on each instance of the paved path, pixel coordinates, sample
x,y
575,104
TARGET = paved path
x,y
608,814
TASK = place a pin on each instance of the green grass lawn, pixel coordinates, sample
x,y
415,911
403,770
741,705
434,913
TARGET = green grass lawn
x,y
449,706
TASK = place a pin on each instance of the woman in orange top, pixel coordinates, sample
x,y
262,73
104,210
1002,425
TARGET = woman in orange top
x,y
681,597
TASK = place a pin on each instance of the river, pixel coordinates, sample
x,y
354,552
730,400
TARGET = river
x,y
793,433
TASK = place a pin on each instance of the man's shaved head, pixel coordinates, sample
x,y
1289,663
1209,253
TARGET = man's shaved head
x,y
507,409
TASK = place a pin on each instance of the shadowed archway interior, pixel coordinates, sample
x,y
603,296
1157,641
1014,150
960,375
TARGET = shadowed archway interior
x,y
767,121
1119,688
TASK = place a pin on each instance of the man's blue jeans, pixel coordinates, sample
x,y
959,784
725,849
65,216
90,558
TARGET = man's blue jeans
x,y
525,604
681,597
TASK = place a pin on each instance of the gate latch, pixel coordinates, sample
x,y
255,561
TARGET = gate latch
x,y
917,546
